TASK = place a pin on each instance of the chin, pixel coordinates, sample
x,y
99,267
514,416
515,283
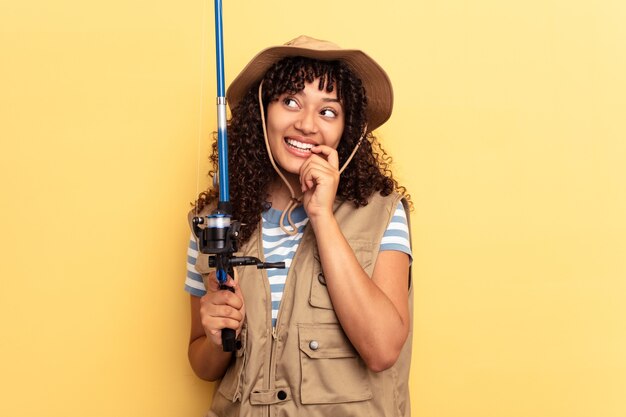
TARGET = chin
x,y
291,167
293,170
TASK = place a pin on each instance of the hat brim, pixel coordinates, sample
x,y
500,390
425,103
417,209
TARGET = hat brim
x,y
375,80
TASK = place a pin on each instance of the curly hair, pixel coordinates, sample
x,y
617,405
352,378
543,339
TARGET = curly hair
x,y
251,171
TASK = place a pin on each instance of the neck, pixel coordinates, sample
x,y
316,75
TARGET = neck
x,y
279,194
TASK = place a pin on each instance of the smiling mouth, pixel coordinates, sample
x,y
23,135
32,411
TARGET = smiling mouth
x,y
301,146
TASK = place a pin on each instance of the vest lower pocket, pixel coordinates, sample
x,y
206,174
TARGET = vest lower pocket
x,y
230,385
332,371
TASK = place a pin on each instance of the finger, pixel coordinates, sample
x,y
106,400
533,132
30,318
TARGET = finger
x,y
308,179
317,173
215,331
318,160
233,281
220,298
220,317
230,282
330,153
230,299
314,168
235,296
225,312
211,282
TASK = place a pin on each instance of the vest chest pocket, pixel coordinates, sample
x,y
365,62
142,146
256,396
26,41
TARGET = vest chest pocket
x,y
231,384
319,296
332,371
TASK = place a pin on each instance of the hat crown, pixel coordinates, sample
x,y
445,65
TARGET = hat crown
x,y
375,81
308,42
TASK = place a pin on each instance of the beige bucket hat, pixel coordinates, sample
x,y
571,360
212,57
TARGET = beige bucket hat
x,y
377,85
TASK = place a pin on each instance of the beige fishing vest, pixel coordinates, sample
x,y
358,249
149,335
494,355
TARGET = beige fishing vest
x,y
307,366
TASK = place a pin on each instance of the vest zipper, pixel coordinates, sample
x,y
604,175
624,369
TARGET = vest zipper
x,y
275,338
268,293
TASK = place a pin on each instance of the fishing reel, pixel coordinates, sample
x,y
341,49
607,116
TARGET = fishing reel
x,y
217,236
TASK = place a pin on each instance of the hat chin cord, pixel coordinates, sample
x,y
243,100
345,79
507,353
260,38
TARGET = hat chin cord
x,y
294,201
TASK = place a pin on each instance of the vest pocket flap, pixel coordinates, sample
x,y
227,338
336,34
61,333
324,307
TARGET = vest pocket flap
x,y
319,296
319,293
331,370
324,341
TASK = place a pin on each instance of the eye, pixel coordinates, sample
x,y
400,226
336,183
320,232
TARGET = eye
x,y
290,102
329,113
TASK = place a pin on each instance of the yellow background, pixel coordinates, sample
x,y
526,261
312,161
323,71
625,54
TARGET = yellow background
x,y
509,130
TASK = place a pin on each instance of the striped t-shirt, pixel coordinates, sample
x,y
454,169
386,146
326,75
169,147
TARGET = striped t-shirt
x,y
279,246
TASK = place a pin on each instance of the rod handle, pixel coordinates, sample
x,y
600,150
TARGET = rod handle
x,y
228,335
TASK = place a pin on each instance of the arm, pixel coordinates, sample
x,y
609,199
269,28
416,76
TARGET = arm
x,y
209,315
374,313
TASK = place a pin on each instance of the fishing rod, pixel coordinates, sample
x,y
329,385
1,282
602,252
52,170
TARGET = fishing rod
x,y
217,232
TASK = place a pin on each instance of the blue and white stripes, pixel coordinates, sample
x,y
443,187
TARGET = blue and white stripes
x,y
193,282
281,247
396,236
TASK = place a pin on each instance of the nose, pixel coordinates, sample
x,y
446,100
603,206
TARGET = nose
x,y
306,122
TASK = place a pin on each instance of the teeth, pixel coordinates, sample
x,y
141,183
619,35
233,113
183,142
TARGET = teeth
x,y
300,145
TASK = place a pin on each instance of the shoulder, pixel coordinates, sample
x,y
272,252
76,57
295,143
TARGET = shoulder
x,y
391,200
371,219
377,205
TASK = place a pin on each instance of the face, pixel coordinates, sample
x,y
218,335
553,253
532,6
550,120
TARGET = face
x,y
297,122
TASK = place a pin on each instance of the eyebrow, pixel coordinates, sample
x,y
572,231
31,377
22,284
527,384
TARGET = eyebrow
x,y
326,99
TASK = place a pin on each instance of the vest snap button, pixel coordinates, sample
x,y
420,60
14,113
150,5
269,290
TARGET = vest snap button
x,y
282,395
321,278
313,345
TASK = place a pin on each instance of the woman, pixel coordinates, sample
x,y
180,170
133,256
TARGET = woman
x,y
330,334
